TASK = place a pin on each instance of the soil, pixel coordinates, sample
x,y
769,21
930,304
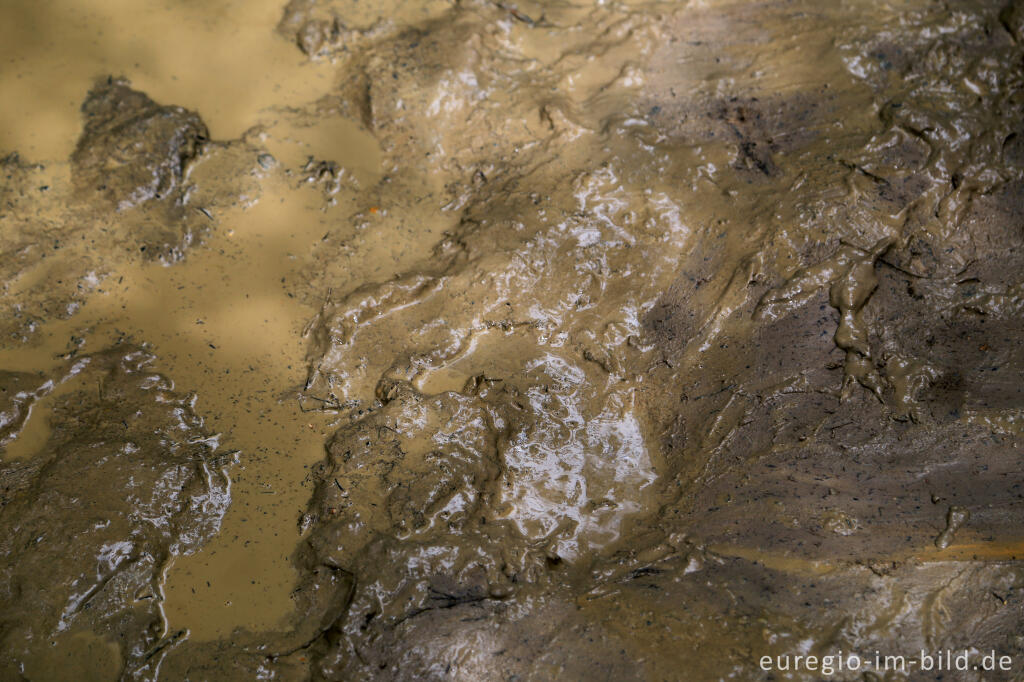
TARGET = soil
x,y
478,340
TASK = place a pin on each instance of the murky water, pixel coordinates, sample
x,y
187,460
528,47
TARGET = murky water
x,y
489,341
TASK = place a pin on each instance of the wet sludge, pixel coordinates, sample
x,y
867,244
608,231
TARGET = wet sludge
x,y
669,338
127,479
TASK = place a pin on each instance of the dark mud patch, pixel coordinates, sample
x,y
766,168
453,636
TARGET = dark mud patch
x,y
134,155
128,479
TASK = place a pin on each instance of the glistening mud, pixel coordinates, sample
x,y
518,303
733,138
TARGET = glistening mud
x,y
478,340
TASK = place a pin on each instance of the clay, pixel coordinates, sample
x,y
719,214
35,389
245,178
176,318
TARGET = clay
x,y
132,150
134,155
128,479
627,341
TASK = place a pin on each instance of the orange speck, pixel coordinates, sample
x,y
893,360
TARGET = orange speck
x,y
983,346
375,209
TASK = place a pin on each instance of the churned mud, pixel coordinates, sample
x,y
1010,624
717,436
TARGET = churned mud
x,y
479,340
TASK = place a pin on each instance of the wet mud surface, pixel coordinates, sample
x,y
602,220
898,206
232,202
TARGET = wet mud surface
x,y
533,341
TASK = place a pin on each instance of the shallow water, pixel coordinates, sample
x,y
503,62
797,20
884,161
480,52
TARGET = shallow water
x,y
482,341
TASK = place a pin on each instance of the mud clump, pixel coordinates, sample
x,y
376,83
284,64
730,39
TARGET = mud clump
x,y
135,154
144,182
128,479
133,150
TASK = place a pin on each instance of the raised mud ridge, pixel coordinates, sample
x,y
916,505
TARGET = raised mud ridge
x,y
134,154
689,335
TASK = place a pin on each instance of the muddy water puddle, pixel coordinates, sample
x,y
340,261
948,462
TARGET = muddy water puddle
x,y
225,327
494,341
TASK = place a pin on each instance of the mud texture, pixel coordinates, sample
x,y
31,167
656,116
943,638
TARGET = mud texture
x,y
134,154
126,195
127,477
653,340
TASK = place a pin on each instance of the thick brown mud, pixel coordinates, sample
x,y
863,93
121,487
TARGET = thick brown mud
x,y
483,340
